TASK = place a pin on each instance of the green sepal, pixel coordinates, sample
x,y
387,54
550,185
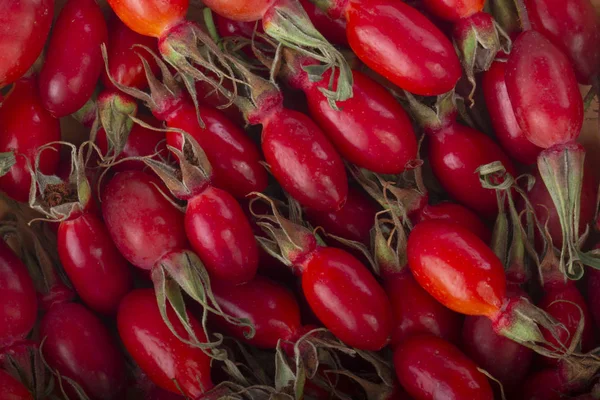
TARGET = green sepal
x,y
561,169
287,238
7,161
183,270
289,24
114,111
478,39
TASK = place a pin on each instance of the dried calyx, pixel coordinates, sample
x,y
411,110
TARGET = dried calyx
x,y
432,117
512,239
260,96
114,110
237,46
506,15
386,254
249,374
166,95
288,240
388,242
405,195
287,22
315,357
182,271
193,173
561,168
196,57
57,199
313,361
522,322
478,39
163,96
7,160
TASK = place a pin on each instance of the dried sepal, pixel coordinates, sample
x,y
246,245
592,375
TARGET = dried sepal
x,y
403,195
193,174
50,195
548,270
496,381
24,362
287,240
522,322
247,375
74,387
114,110
315,358
500,233
247,365
61,380
194,171
286,378
574,346
165,94
511,241
387,252
260,94
581,370
431,117
562,172
478,39
505,14
168,293
591,95
288,23
7,160
389,241
131,91
187,47
299,361
186,270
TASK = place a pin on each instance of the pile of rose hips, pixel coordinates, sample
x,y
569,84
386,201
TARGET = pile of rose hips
x,y
353,199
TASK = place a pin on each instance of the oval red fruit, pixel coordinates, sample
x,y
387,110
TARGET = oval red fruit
x,y
457,268
347,299
79,347
431,368
507,129
543,91
168,362
402,45
24,27
18,309
74,60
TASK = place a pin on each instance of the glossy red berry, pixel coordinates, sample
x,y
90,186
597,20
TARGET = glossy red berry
x,y
74,60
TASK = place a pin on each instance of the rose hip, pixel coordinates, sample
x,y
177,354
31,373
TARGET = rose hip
x,y
74,61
